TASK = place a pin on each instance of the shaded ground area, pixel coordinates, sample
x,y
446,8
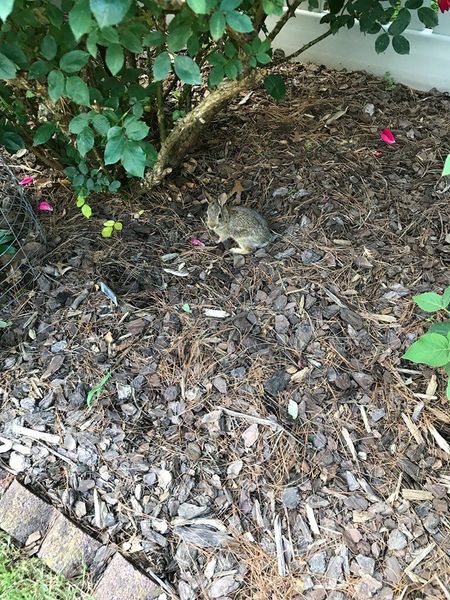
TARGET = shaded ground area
x,y
189,460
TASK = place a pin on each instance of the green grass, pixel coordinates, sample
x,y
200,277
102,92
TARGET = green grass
x,y
25,578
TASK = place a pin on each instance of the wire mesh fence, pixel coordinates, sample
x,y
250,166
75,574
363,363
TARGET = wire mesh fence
x,y
21,238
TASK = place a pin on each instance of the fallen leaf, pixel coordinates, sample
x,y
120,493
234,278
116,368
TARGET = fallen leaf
x,y
250,435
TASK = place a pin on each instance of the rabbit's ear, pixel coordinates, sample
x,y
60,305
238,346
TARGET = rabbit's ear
x,y
222,199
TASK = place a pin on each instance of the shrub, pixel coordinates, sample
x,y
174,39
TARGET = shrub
x,y
113,89
433,348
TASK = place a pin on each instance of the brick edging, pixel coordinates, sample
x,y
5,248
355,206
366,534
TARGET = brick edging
x,y
68,550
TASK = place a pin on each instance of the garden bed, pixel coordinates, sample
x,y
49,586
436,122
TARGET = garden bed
x,y
189,460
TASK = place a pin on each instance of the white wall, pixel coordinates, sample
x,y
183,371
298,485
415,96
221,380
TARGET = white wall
x,y
427,66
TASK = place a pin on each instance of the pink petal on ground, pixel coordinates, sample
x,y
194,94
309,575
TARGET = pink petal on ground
x,y
196,242
45,207
387,136
377,153
26,180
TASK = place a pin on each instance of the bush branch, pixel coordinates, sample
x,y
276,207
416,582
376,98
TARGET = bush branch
x,y
303,48
284,19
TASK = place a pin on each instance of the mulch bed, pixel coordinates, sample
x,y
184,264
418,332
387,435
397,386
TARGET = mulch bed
x,y
190,460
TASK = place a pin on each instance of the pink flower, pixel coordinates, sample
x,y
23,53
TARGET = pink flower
x,y
196,242
26,180
387,136
45,207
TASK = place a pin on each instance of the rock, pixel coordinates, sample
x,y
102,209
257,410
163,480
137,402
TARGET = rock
x,y
377,414
220,384
302,336
280,192
238,372
366,564
122,581
351,481
277,383
58,346
223,587
319,441
397,540
171,393
290,497
281,324
309,257
334,572
393,571
191,511
353,534
18,462
432,523
318,562
367,587
123,391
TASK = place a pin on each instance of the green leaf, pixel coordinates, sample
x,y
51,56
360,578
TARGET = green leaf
x,y
216,76
43,133
382,42
78,123
186,308
431,349
12,141
273,8
91,43
400,44
187,70
136,130
230,70
178,37
446,169
107,231
443,328
153,39
114,149
49,47
448,389
77,90
101,124
429,302
227,5
85,141
80,201
7,68
131,41
413,4
109,12
274,85
217,25
200,7
161,66
109,35
86,210
55,82
263,58
114,58
446,297
73,61
118,226
428,17
6,7
5,324
39,69
80,20
133,159
401,22
239,22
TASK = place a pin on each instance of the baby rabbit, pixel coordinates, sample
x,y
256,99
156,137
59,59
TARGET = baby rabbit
x,y
244,225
